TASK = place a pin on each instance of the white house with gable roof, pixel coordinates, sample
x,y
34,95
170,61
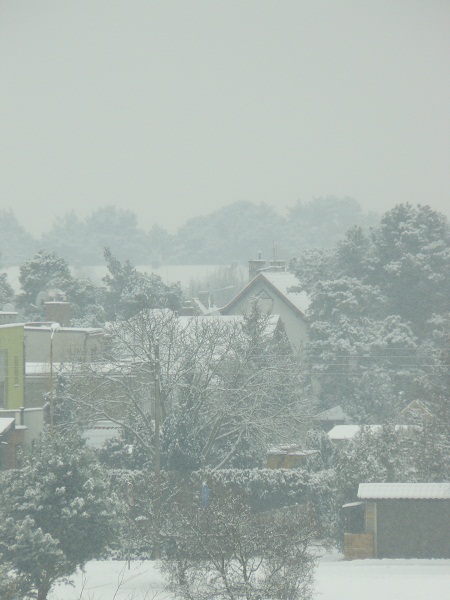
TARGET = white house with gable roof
x,y
273,290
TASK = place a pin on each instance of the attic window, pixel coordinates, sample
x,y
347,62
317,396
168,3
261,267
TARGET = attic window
x,y
263,295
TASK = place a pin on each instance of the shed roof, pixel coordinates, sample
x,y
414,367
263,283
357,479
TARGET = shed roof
x,y
405,491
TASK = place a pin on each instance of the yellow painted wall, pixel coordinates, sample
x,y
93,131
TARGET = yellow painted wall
x,y
11,350
284,461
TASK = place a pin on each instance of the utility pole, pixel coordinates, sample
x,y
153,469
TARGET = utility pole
x,y
54,327
157,452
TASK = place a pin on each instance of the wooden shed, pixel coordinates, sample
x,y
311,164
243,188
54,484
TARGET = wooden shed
x,y
399,520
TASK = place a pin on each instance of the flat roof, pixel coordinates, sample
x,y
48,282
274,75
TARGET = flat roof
x,y
404,491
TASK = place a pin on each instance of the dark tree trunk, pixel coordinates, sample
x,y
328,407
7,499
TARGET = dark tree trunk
x,y
43,590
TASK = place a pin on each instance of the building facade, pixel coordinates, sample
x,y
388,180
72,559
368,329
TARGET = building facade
x,y
11,366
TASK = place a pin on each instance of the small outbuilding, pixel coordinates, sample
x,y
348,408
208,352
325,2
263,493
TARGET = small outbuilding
x,y
399,520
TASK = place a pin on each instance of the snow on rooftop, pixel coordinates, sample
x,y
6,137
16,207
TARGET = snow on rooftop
x,y
345,432
284,281
5,424
45,326
408,491
10,325
332,414
41,368
100,433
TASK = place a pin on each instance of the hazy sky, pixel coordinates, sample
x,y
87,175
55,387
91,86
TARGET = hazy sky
x,y
175,108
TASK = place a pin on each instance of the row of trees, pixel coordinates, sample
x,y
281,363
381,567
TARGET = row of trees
x,y
234,232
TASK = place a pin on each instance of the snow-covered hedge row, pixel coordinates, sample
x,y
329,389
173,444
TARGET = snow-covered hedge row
x,y
263,489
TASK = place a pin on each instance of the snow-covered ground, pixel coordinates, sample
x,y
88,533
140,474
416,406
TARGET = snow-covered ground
x,y
336,580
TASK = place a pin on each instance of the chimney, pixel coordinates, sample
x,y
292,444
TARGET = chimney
x,y
254,266
58,312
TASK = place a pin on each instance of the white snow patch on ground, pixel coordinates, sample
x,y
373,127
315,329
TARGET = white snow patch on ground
x,y
336,580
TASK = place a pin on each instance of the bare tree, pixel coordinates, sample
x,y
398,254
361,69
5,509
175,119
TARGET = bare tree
x,y
228,387
227,551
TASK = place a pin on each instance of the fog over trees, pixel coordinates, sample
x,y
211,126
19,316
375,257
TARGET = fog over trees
x,y
233,233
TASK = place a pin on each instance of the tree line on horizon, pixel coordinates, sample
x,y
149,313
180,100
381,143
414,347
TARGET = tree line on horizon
x,y
233,233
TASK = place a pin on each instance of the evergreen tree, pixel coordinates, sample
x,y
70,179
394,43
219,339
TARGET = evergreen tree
x,y
6,291
411,263
16,244
377,303
56,513
48,272
45,271
130,291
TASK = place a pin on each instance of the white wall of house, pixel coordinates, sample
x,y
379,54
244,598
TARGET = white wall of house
x,y
70,344
271,303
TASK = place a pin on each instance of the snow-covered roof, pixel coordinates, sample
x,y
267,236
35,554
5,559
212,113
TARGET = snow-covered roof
x,y
291,451
5,424
42,368
46,327
10,325
100,433
332,414
407,491
418,406
284,281
346,432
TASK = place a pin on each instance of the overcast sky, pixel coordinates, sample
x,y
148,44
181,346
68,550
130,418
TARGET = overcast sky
x,y
175,108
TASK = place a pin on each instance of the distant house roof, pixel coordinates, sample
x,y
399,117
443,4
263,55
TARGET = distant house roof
x,y
418,407
46,326
102,431
281,283
332,414
347,432
404,491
